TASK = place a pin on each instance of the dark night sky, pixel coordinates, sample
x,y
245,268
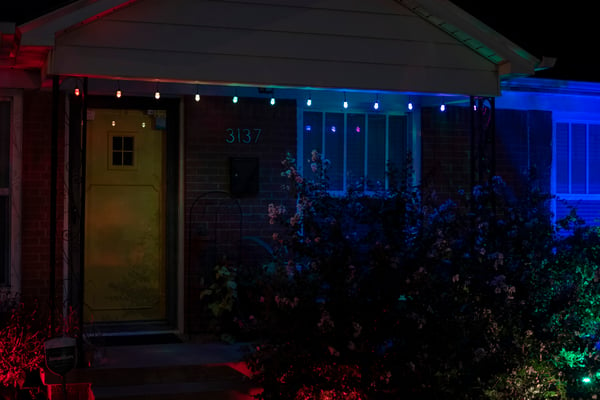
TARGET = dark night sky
x,y
20,11
543,28
539,28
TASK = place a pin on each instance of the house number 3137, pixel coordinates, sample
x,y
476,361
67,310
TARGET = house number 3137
x,y
242,135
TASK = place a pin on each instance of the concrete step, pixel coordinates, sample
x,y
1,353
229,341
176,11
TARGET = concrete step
x,y
176,391
164,372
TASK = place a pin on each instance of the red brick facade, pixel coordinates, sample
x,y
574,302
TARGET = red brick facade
x,y
215,131
446,150
35,253
217,224
523,141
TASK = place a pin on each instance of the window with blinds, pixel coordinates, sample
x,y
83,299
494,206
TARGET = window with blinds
x,y
577,158
577,169
358,146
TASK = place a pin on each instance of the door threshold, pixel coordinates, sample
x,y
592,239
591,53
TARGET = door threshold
x,y
130,333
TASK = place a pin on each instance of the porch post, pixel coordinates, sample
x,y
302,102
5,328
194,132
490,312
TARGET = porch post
x,y
483,140
81,295
472,112
53,195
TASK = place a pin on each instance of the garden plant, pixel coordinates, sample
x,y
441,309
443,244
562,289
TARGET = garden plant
x,y
23,330
401,294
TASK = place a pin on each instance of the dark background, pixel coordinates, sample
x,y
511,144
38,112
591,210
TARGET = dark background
x,y
543,28
565,31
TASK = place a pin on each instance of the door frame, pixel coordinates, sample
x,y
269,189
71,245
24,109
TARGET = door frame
x,y
77,171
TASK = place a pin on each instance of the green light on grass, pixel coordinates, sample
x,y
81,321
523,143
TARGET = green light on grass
x,y
586,379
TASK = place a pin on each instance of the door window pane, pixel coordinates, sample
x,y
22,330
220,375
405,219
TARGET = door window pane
x,y
122,151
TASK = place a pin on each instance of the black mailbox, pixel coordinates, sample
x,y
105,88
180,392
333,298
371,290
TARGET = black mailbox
x,y
61,354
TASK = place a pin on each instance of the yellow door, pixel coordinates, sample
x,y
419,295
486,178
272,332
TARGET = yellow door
x,y
124,216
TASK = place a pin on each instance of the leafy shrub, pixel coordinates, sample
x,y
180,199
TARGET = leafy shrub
x,y
21,345
400,294
23,330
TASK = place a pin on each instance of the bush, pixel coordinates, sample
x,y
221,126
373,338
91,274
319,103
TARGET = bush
x,y
23,330
21,343
399,294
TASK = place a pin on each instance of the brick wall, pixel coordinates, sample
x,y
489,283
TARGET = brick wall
x,y
523,140
37,126
446,150
221,225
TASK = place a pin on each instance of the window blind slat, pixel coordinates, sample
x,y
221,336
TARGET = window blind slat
x,y
594,159
562,158
578,158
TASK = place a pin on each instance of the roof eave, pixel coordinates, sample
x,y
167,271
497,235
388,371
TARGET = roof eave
x,y
43,30
511,59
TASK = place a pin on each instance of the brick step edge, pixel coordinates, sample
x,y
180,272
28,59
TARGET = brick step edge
x,y
230,372
176,391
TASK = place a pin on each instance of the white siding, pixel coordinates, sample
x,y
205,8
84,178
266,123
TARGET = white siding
x,y
375,44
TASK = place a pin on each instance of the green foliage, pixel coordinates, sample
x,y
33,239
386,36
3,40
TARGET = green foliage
x,y
220,297
536,381
222,292
571,359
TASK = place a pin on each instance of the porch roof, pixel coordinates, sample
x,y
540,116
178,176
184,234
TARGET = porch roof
x,y
418,46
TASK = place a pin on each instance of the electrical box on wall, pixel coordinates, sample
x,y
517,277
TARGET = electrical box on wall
x,y
243,176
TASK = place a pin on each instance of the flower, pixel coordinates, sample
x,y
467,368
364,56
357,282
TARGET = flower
x,y
274,212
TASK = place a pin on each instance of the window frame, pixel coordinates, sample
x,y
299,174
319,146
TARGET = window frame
x,y
14,192
571,119
584,202
410,143
111,154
